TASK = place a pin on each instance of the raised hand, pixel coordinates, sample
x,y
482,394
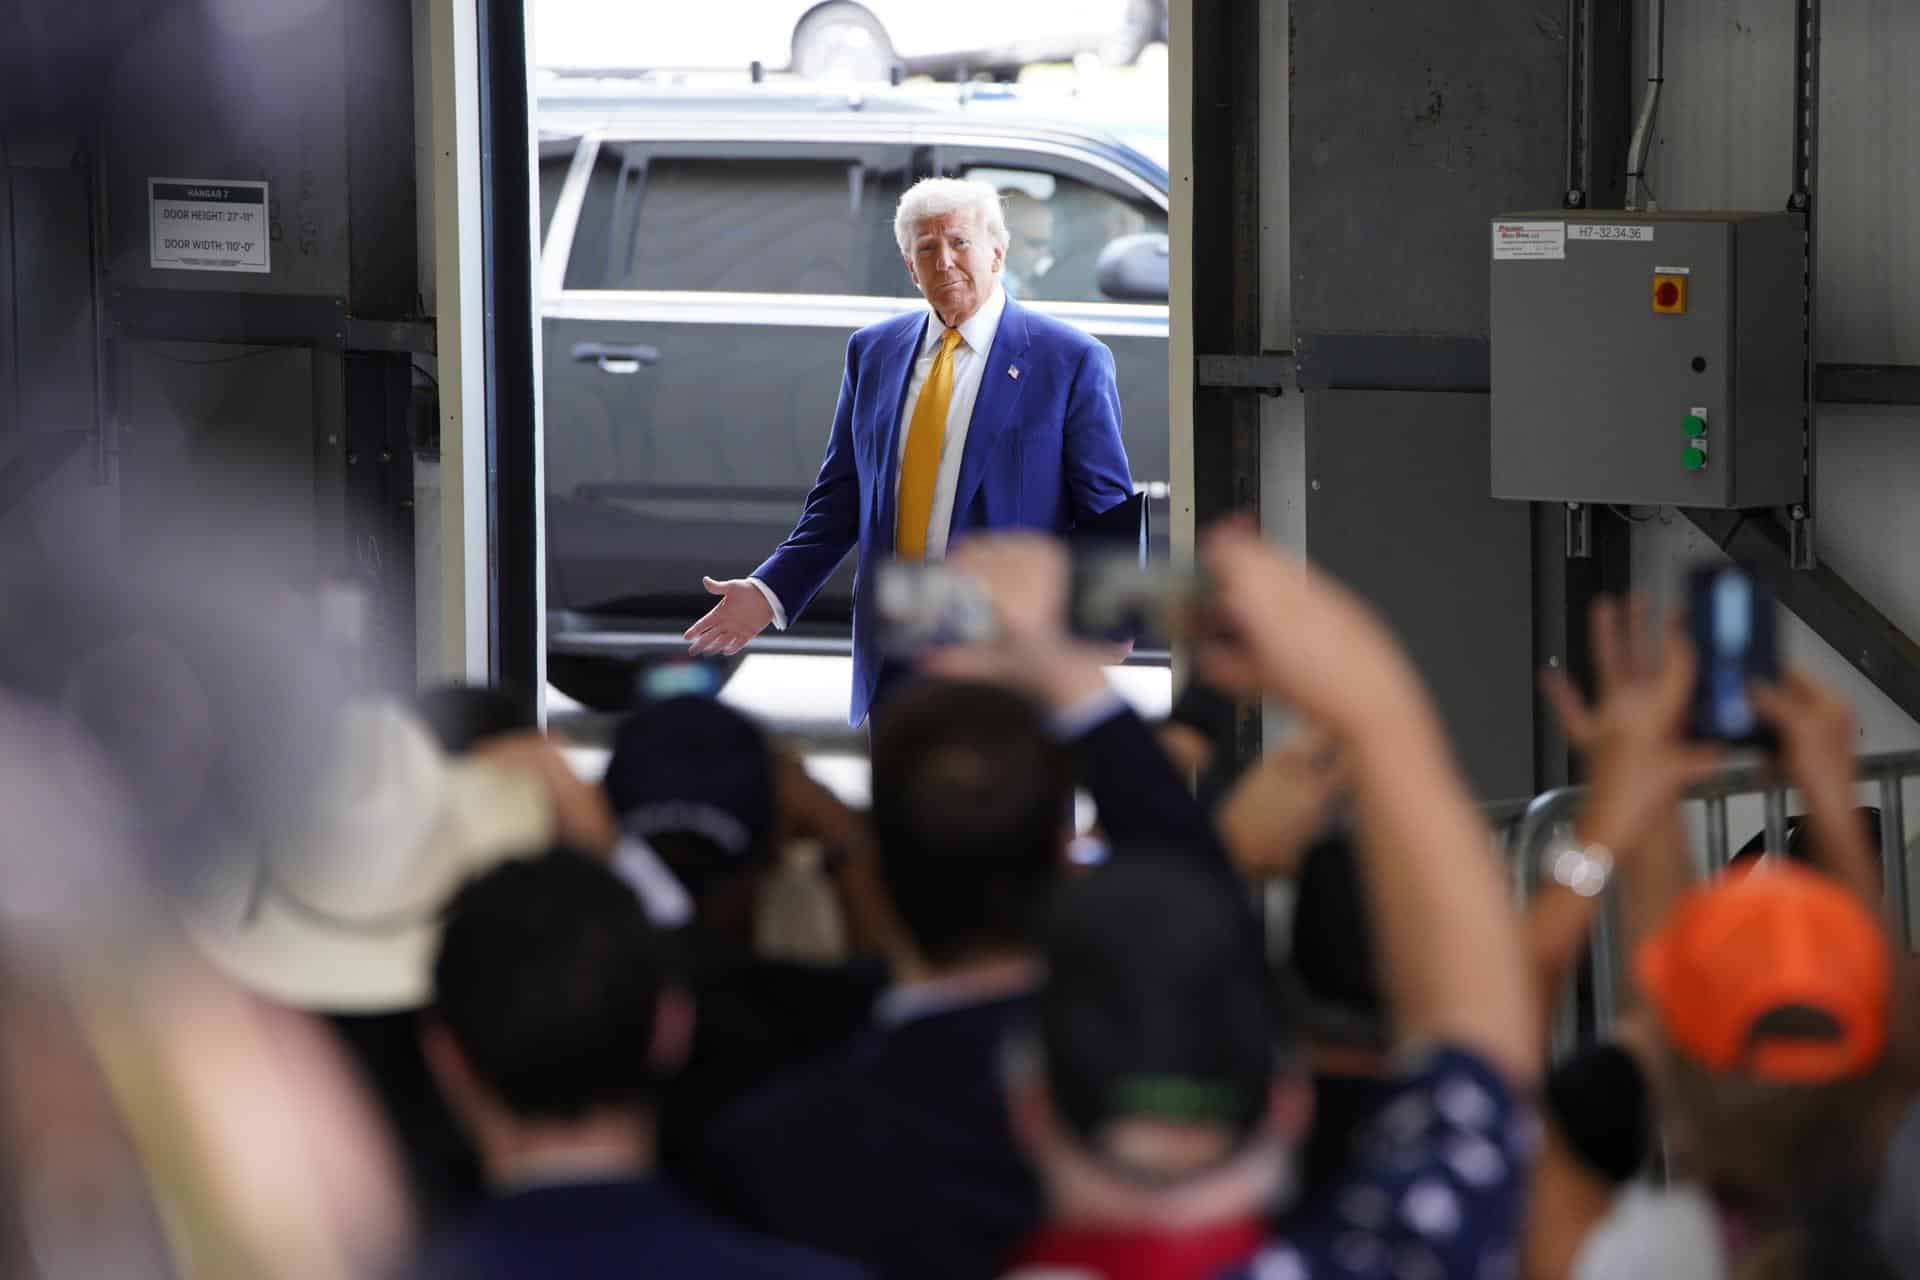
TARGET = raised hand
x,y
742,614
1817,741
1816,731
1633,734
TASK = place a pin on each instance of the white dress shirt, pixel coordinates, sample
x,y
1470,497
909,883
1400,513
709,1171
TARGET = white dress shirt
x,y
969,367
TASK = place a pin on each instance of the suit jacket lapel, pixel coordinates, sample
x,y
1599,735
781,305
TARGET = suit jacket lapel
x,y
993,410
897,355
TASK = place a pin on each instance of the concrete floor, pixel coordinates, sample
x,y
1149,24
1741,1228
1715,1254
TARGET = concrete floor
x,y
805,698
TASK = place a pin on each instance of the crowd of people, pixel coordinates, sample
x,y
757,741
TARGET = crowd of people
x,y
470,1015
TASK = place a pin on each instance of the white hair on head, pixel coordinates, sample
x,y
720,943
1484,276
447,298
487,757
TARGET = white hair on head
x,y
938,197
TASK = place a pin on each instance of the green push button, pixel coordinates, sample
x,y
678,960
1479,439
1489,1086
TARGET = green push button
x,y
1695,459
1696,426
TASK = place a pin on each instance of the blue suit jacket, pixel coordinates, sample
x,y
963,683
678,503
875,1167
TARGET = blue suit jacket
x,y
1043,452
592,1230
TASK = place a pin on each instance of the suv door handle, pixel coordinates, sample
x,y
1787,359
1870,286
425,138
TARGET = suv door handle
x,y
615,357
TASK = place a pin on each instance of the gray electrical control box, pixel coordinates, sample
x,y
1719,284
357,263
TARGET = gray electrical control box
x,y
1652,358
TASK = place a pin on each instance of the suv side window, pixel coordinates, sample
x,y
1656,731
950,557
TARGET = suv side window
x,y
1057,225
660,219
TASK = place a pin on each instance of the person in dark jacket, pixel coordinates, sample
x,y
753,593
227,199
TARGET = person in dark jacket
x,y
553,1027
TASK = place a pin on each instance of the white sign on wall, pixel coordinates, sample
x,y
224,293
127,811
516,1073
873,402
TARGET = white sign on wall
x,y
1529,241
203,224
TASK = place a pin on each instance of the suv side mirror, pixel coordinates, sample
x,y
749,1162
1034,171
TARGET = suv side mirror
x,y
1134,269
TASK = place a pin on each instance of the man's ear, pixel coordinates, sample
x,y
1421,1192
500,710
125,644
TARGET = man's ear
x,y
673,1017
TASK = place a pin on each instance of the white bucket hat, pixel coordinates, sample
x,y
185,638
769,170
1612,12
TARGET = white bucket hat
x,y
344,914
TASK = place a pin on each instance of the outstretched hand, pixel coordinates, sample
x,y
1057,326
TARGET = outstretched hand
x,y
1633,733
742,614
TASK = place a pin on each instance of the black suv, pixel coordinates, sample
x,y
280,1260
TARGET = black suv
x,y
705,259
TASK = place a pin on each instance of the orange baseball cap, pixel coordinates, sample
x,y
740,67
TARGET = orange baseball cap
x,y
1780,974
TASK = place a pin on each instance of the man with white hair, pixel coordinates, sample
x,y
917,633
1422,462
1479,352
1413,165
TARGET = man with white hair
x,y
975,414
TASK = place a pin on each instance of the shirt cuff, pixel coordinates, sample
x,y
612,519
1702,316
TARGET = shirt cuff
x,y
1088,714
667,903
773,602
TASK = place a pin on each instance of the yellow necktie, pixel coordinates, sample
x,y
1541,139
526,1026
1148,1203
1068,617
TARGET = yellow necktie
x,y
920,465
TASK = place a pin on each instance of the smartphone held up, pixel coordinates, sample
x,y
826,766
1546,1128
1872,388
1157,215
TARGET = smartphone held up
x,y
1735,635
923,606
1113,599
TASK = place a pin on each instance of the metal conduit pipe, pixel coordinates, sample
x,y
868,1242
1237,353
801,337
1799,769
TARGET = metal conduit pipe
x,y
1776,828
1719,849
1893,859
1650,104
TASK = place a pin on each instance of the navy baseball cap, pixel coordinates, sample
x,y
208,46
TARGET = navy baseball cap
x,y
692,766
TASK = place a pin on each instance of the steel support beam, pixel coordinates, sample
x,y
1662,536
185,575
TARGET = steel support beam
x,y
1271,374
1392,362
378,484
242,319
411,336
510,336
382,213
1226,270
1418,362
1823,600
1580,158
1868,384
1565,586
1579,555
1804,199
260,319
1599,102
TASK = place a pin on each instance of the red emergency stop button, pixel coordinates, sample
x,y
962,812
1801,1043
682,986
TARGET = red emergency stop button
x,y
1670,295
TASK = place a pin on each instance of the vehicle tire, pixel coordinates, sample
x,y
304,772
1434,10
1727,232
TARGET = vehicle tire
x,y
1144,23
841,41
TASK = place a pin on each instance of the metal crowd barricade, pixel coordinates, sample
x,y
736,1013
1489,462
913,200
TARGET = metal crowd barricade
x,y
1528,829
